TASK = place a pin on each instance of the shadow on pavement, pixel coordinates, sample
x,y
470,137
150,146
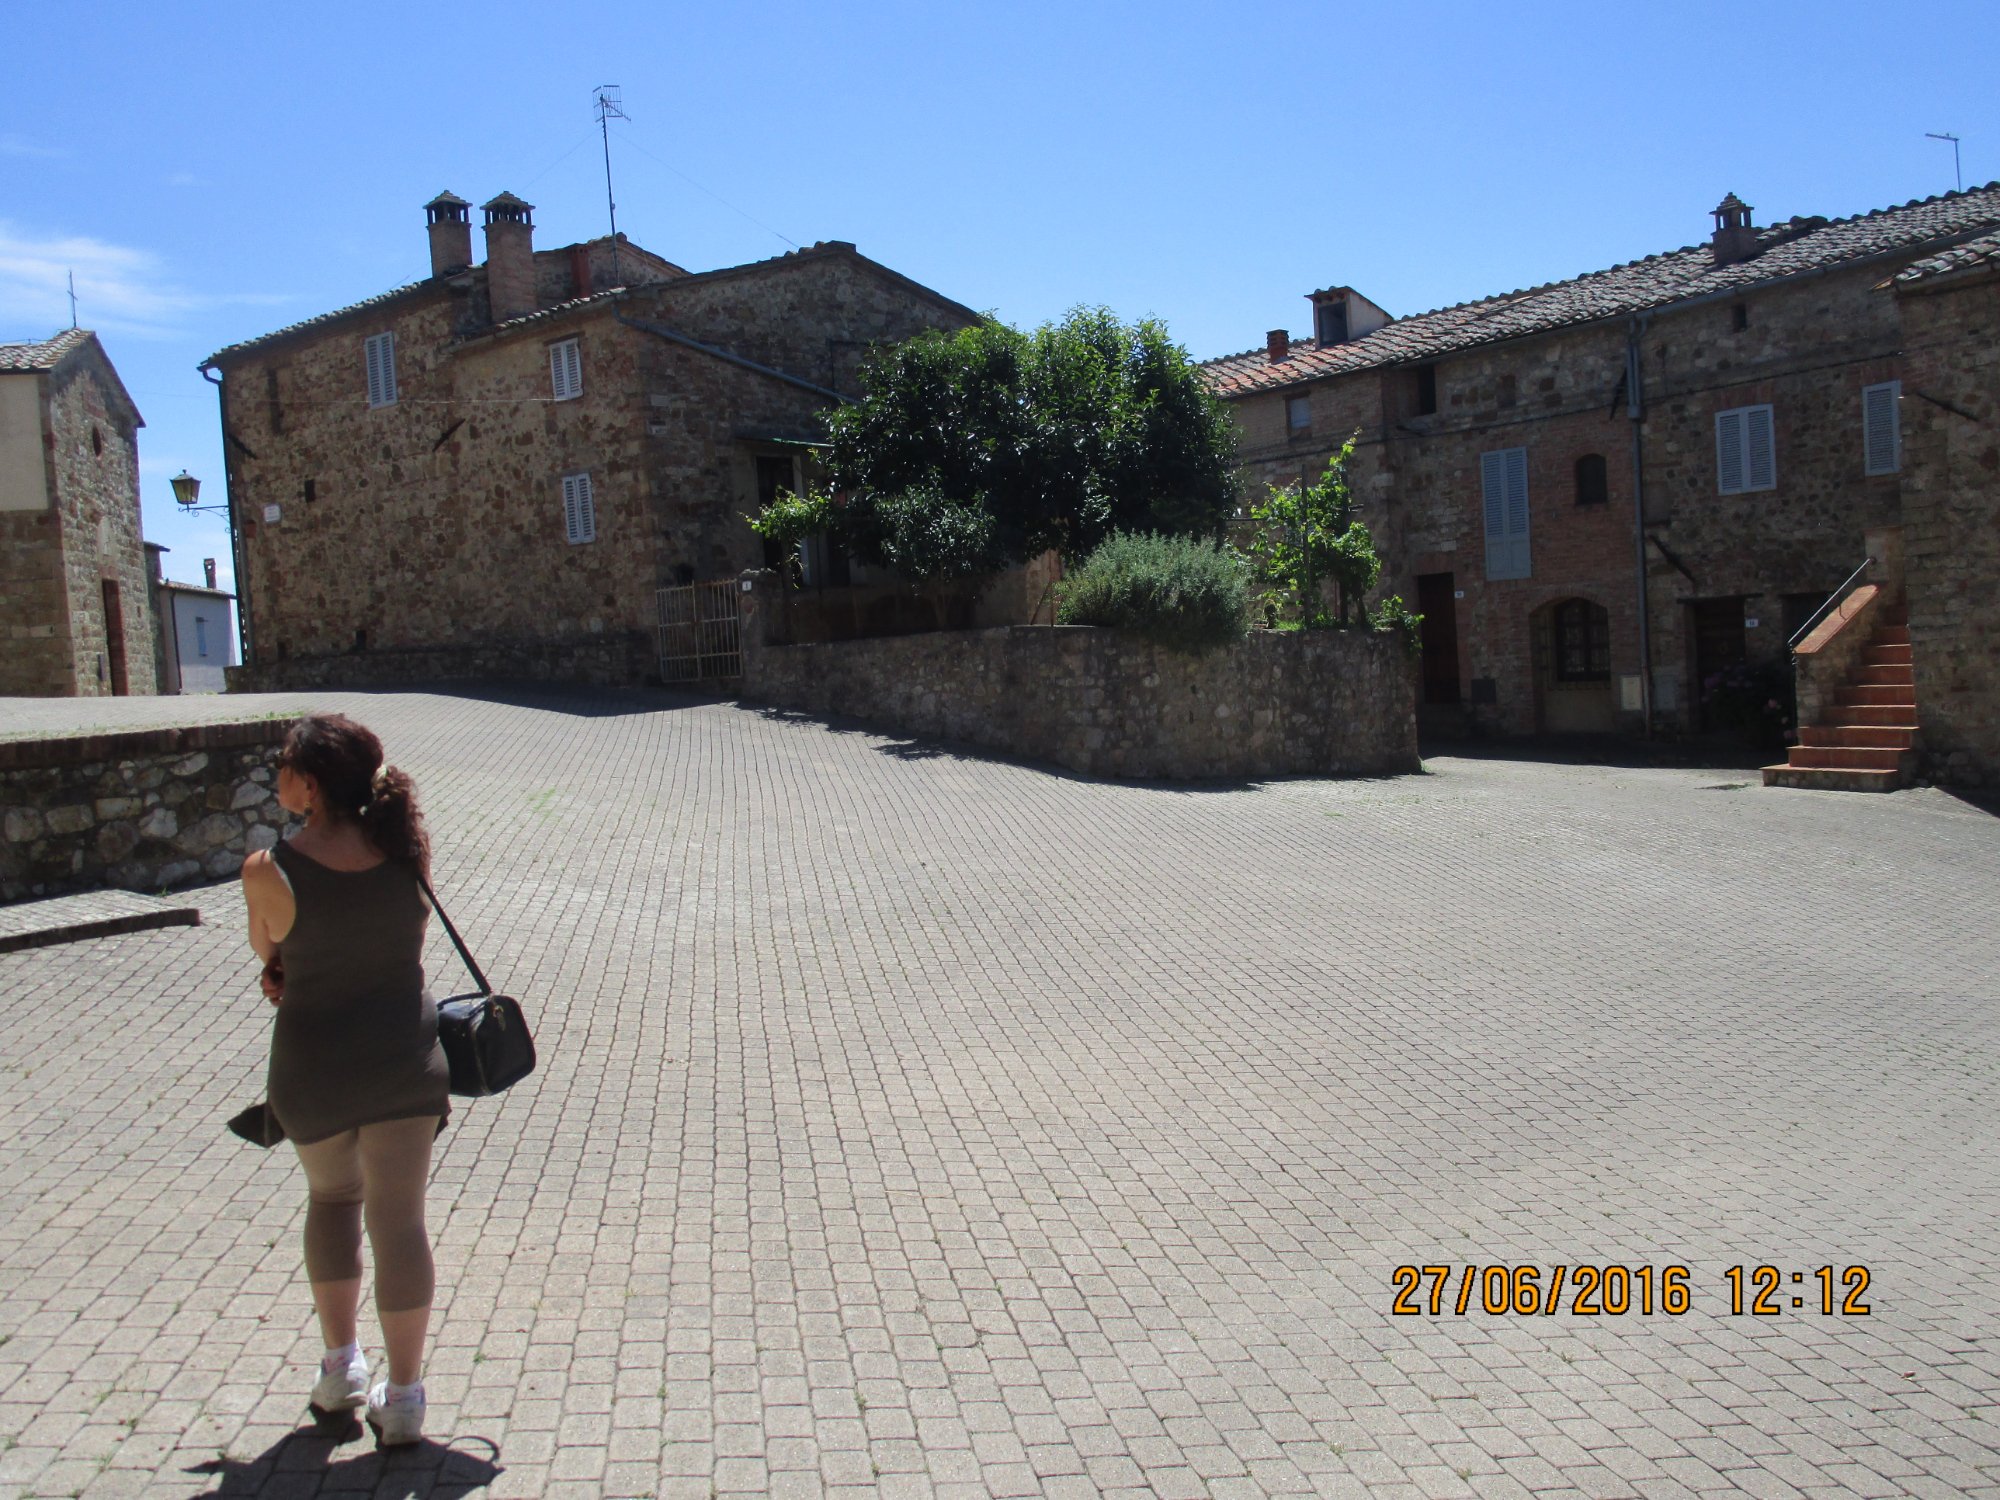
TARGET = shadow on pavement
x,y
1614,750
310,1461
575,699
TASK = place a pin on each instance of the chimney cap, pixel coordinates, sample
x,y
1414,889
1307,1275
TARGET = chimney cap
x,y
506,208
1278,345
1732,212
448,199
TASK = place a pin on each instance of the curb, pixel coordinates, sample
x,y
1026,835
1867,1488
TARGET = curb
x,y
76,932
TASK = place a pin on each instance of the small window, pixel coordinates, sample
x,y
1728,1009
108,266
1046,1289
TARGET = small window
x,y
579,512
566,370
1330,322
1427,390
1503,479
1583,642
96,441
1592,484
309,491
1739,316
200,636
1745,453
1298,414
1882,427
380,356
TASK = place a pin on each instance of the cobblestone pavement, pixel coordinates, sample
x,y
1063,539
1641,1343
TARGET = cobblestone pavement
x,y
918,1123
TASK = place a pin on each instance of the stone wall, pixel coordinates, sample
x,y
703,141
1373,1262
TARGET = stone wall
x,y
142,811
607,660
437,523
1808,348
96,465
1097,701
1951,519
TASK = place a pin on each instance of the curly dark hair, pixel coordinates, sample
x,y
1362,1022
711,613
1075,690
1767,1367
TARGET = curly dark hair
x,y
345,758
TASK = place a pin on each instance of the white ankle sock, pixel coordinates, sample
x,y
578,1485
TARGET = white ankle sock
x,y
341,1358
414,1391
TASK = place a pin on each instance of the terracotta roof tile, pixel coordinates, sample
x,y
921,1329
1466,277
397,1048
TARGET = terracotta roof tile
x,y
1983,251
1791,247
46,355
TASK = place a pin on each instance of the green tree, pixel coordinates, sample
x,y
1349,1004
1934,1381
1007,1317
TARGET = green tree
x,y
1058,437
1308,537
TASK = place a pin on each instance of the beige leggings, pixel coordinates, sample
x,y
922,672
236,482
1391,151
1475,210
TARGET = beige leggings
x,y
377,1172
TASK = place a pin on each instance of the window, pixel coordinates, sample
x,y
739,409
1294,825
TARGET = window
x,y
566,370
309,491
1882,427
1503,478
200,636
1427,390
773,475
380,354
96,441
1745,456
1593,487
1298,414
1739,316
579,512
1330,322
1583,642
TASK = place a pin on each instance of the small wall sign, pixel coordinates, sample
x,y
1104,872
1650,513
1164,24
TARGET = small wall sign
x,y
272,513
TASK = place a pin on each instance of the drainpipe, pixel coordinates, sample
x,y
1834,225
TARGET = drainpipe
x,y
1635,408
236,562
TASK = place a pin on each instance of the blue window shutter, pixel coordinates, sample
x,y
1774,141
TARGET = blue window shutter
x,y
1729,452
1760,459
1503,480
1881,428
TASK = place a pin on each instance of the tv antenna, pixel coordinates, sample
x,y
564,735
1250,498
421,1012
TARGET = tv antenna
x,y
72,299
1945,135
609,106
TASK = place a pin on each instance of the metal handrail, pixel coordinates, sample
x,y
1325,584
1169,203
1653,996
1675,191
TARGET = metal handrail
x,y
1832,600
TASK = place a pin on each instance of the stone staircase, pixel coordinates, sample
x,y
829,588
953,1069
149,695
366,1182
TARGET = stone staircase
x,y
1867,741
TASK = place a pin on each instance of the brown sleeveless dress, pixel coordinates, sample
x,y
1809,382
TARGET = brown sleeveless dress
x,y
356,1037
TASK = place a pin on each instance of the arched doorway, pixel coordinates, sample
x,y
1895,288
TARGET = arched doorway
x,y
1573,688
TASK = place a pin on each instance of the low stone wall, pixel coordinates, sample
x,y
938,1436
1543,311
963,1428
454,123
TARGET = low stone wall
x,y
1323,703
143,811
1823,662
611,660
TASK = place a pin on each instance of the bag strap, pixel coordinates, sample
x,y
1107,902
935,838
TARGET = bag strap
x,y
457,942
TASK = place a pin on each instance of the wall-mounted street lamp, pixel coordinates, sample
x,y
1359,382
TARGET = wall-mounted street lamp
x,y
187,489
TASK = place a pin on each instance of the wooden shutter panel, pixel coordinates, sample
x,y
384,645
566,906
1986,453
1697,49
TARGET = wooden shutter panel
x,y
573,367
558,376
579,514
1759,451
1729,452
571,520
1881,428
1503,478
586,509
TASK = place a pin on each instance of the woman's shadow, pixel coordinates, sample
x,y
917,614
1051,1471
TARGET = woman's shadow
x,y
310,1461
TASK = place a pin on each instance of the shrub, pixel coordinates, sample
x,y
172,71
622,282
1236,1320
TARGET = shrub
x,y
1188,594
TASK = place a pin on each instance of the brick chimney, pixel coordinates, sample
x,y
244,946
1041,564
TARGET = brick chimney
x,y
208,570
449,218
510,257
1277,345
1735,236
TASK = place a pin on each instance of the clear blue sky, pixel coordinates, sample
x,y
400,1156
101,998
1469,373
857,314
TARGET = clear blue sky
x,y
213,171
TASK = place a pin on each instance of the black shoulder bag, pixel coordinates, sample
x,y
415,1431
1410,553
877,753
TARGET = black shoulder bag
x,y
485,1036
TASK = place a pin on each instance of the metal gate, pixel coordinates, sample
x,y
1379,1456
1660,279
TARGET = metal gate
x,y
701,631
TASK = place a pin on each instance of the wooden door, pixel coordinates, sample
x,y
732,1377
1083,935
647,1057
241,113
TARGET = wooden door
x,y
1719,643
114,638
1438,636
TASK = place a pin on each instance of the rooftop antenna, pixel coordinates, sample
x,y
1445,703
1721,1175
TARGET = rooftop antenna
x,y
610,106
1945,135
72,299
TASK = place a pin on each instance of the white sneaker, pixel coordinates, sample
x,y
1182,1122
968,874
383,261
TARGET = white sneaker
x,y
398,1423
342,1389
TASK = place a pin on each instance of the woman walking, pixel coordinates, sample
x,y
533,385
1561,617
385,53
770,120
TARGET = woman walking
x,y
358,1080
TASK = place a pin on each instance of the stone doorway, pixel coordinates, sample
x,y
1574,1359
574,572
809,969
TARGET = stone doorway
x,y
1573,688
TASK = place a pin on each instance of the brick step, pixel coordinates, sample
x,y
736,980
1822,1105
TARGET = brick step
x,y
1845,757
1873,715
1876,695
1880,655
1886,736
1825,779
1895,674
1892,635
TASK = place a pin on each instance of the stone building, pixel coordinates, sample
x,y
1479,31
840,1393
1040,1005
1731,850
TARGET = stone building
x,y
1950,310
493,470
74,618
1605,493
